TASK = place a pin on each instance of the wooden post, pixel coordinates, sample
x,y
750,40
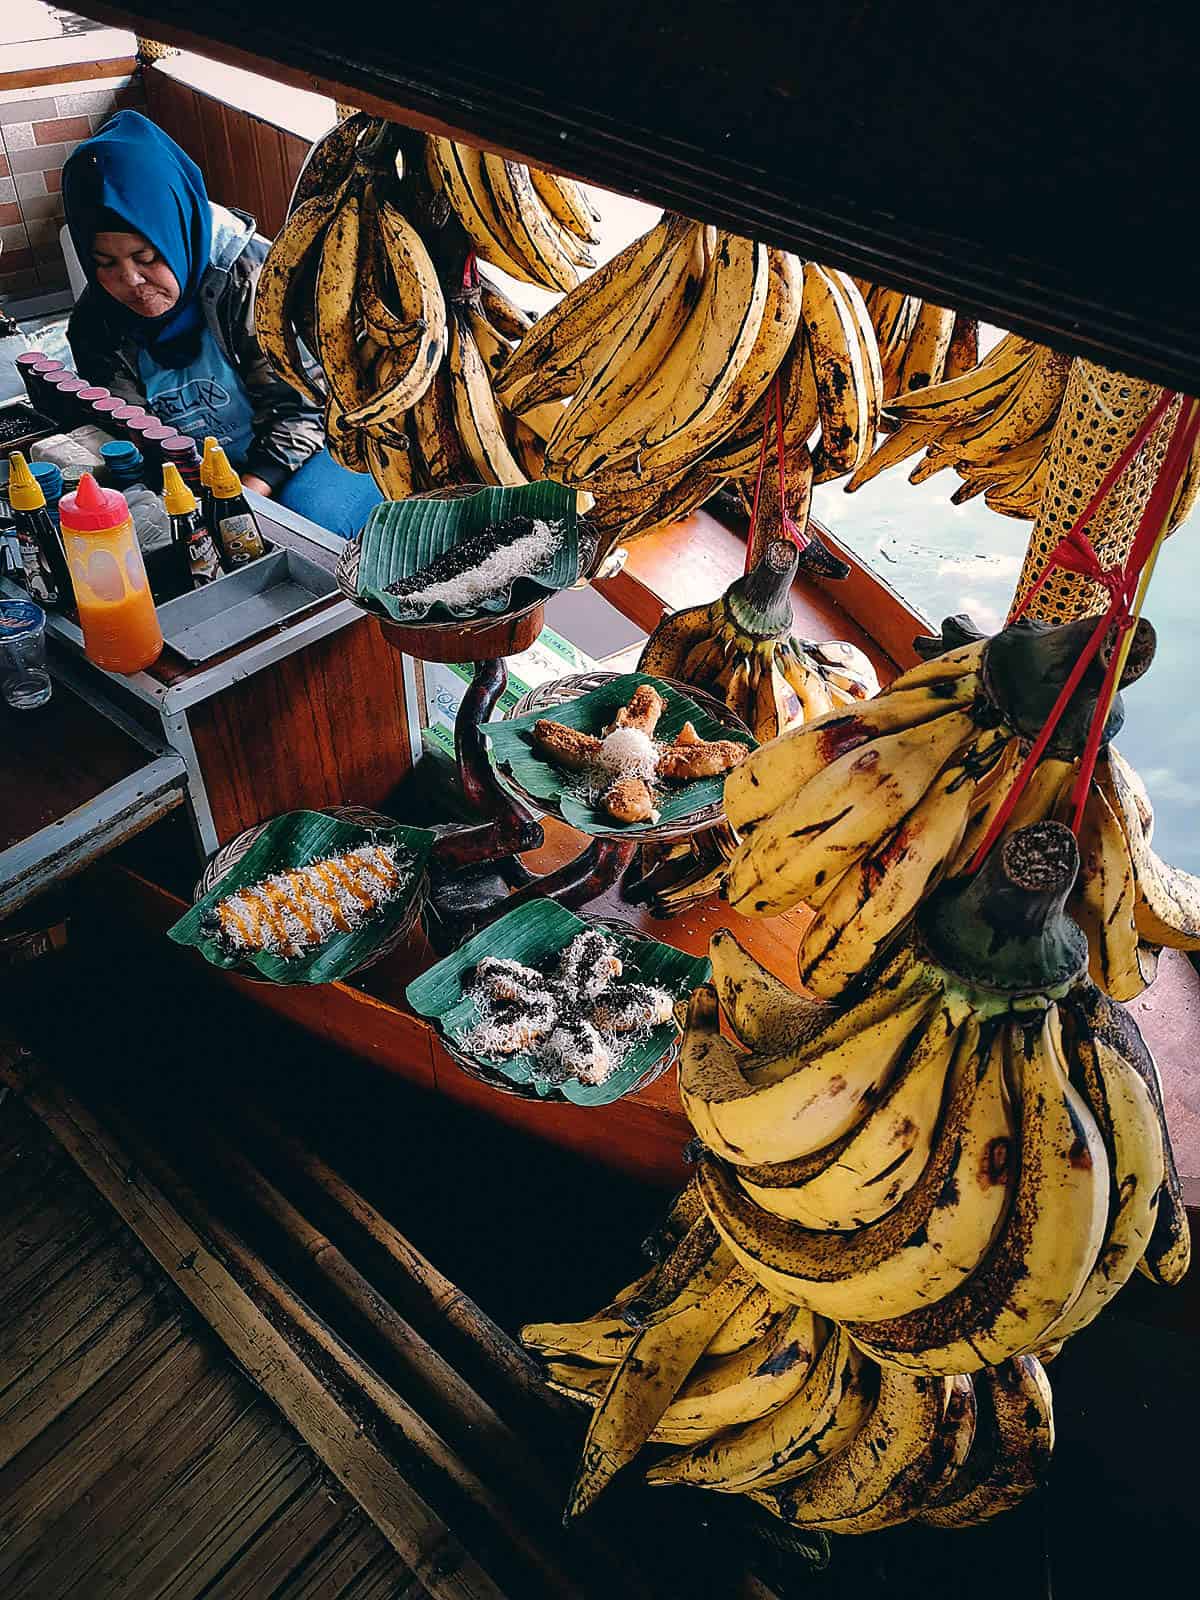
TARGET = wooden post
x,y
513,1366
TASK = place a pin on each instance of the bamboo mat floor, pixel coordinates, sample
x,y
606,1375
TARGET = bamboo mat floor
x,y
135,1459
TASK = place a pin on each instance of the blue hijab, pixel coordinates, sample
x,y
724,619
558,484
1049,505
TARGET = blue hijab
x,y
133,177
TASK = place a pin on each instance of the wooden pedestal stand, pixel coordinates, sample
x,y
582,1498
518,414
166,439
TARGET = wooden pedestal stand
x,y
476,874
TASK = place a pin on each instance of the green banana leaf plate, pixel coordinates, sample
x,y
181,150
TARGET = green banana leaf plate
x,y
534,934
403,536
293,840
514,752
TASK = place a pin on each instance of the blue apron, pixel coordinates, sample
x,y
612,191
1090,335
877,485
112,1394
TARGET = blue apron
x,y
207,396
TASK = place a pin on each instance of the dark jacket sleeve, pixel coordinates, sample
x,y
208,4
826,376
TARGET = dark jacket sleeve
x,y
100,354
288,429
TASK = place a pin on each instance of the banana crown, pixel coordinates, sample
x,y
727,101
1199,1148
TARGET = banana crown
x,y
1026,665
1003,936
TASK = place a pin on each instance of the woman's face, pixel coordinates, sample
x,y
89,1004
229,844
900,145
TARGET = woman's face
x,y
130,269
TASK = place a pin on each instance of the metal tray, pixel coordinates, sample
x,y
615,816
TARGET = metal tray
x,y
276,588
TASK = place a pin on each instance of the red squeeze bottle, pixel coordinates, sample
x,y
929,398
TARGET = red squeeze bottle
x,y
120,625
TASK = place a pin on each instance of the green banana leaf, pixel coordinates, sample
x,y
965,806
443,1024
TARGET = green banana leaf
x,y
293,840
513,750
534,934
403,536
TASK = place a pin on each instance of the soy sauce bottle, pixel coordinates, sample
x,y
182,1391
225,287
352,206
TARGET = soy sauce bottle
x,y
239,540
206,494
44,568
195,552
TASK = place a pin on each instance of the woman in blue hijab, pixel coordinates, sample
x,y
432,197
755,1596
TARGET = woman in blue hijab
x,y
167,319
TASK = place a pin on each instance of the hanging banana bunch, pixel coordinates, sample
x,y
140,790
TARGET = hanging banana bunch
x,y
862,812
374,273
740,648
992,424
755,1395
964,1161
662,365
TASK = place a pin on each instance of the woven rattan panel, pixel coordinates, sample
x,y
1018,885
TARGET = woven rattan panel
x,y
1101,412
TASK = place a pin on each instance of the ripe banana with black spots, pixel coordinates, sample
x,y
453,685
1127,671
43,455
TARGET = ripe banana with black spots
x,y
1013,1443
813,1424
653,1371
778,1108
1050,1239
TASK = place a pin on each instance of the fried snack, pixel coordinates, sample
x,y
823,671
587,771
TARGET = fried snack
x,y
588,964
643,710
687,735
501,979
629,1009
630,800
509,1029
576,1050
683,763
566,747
292,912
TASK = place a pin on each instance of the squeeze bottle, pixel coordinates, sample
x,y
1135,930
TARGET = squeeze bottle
x,y
117,615
43,562
235,525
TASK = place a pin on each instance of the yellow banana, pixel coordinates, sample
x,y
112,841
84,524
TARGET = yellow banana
x,y
337,347
683,407
777,771
851,1485
655,315
869,1170
278,285
926,1245
927,349
475,410
568,203
844,398
1167,908
841,812
529,232
1105,902
818,1421
778,1108
766,1016
961,399
1014,1440
642,1387
443,456
876,896
1048,1243
1128,1122
556,354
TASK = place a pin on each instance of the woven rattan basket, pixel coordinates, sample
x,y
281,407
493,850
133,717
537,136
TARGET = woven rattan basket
x,y
1101,412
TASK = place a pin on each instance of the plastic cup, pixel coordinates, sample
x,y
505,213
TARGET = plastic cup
x,y
24,681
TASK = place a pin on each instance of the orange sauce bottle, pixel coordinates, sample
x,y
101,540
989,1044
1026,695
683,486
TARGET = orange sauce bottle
x,y
117,615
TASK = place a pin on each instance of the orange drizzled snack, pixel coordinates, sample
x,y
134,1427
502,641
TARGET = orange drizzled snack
x,y
295,911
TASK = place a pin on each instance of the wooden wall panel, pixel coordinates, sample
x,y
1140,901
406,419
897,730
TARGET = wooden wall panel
x,y
246,162
324,727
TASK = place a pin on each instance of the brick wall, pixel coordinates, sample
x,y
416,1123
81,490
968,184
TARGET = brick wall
x,y
38,130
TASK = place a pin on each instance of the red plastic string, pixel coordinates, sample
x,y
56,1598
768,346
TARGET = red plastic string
x,y
1075,552
798,536
758,481
1158,507
470,277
